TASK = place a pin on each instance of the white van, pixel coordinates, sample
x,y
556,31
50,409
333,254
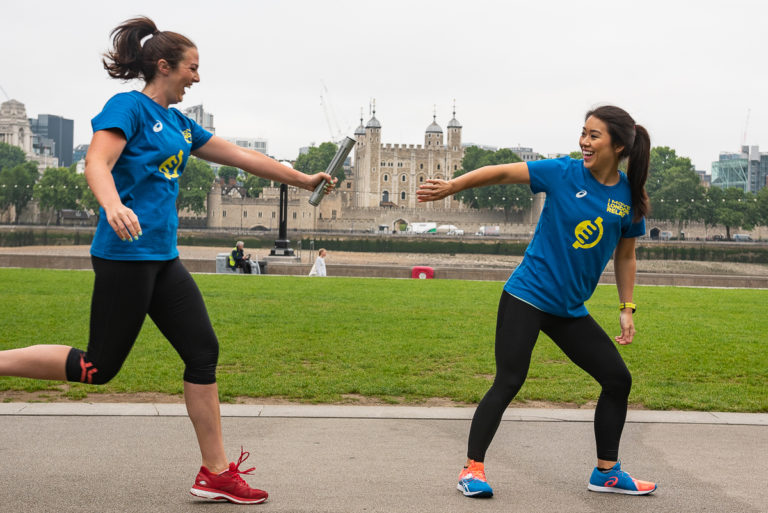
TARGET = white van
x,y
742,237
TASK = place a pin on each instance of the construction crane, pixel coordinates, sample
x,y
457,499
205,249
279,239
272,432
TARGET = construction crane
x,y
4,93
746,126
330,116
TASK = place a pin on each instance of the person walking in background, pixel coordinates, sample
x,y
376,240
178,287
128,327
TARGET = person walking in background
x,y
593,212
139,149
318,268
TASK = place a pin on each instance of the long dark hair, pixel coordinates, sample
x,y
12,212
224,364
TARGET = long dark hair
x,y
637,149
129,59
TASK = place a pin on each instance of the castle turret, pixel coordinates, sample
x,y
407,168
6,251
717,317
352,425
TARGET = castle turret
x,y
214,206
454,132
433,137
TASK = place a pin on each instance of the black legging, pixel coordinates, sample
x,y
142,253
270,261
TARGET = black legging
x,y
124,292
583,341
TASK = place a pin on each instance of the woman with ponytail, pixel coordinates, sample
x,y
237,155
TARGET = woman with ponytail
x,y
139,149
593,212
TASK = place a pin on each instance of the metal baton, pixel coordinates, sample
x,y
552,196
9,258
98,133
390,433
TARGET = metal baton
x,y
336,163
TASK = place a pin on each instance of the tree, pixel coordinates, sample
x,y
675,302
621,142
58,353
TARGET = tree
x,y
16,185
316,160
665,166
509,197
228,174
761,208
731,207
11,156
576,155
194,184
59,188
87,200
254,185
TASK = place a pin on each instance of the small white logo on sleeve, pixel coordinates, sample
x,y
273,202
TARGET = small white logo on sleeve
x,y
158,126
581,193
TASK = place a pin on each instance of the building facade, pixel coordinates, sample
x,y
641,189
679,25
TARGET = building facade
x,y
201,117
53,136
525,154
747,170
14,126
252,143
15,130
388,175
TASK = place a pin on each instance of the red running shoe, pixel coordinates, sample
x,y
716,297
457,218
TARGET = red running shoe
x,y
228,486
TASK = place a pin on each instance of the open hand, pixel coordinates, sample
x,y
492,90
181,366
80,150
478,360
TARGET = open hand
x,y
433,190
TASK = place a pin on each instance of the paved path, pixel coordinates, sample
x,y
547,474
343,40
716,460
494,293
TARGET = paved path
x,y
74,457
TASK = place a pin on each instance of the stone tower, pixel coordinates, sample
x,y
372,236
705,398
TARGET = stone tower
x,y
214,206
454,132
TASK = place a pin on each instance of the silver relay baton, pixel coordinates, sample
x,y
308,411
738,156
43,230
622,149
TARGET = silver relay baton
x,y
336,163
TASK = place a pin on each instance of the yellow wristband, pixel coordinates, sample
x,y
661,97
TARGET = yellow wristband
x,y
633,306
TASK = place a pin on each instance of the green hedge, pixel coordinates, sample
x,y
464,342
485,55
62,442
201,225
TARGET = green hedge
x,y
745,253
32,237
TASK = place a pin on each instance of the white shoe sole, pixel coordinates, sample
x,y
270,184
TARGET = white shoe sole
x,y
219,496
473,494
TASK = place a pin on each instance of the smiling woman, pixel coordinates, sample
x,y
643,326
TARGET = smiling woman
x,y
139,150
593,213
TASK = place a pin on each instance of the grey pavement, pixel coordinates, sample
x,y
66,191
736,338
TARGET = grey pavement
x,y
74,457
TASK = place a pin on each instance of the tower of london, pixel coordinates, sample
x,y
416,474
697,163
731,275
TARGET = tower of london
x,y
388,175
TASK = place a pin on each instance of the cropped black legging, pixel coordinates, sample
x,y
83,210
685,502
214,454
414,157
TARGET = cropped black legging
x,y
583,341
124,293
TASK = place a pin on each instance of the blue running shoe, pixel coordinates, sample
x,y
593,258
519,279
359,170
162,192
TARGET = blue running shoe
x,y
618,481
472,481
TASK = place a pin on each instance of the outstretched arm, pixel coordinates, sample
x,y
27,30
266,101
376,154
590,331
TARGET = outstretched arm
x,y
624,266
433,190
229,154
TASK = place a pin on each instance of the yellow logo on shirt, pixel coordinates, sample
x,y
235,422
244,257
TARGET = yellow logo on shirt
x,y
170,167
187,133
585,231
617,207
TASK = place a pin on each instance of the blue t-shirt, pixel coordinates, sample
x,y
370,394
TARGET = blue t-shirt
x,y
579,228
147,174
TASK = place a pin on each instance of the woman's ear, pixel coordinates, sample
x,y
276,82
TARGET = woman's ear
x,y
163,66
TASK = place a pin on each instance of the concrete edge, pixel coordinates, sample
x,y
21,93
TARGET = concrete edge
x,y
375,412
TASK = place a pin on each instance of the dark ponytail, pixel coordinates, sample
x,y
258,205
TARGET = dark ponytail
x,y
637,149
129,59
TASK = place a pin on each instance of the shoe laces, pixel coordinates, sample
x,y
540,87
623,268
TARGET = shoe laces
x,y
477,470
234,469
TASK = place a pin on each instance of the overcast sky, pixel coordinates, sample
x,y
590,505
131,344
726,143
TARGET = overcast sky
x,y
522,73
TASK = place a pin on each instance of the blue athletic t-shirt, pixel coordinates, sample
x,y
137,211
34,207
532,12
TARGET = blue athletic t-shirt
x,y
147,174
579,228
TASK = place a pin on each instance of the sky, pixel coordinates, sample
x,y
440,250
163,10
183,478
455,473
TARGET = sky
x,y
522,73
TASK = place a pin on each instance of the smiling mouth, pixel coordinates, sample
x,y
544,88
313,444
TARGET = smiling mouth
x,y
587,153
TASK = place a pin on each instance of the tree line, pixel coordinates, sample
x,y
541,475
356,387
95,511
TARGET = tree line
x,y
673,186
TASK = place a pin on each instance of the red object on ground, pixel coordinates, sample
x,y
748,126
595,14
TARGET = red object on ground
x,y
422,272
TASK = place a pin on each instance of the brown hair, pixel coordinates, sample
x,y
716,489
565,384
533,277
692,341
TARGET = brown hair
x,y
637,149
129,59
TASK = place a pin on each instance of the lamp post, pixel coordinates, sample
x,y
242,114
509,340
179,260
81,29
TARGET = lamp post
x,y
281,244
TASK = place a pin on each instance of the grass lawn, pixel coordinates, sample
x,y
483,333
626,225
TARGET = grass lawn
x,y
326,339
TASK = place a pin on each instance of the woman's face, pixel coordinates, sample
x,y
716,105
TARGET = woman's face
x,y
596,146
183,76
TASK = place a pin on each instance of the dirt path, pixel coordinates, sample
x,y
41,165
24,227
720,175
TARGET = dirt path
x,y
430,259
